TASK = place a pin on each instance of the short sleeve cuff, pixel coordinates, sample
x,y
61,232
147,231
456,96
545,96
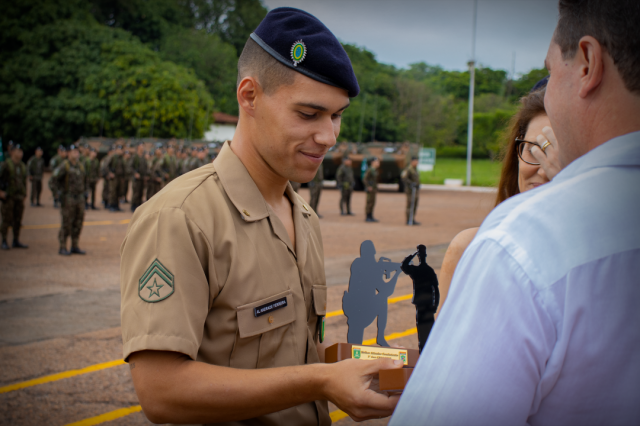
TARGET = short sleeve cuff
x,y
160,343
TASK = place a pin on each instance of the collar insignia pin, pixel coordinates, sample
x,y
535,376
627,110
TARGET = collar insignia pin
x,y
298,52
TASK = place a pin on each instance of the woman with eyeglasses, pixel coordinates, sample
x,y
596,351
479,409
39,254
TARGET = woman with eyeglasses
x,y
530,159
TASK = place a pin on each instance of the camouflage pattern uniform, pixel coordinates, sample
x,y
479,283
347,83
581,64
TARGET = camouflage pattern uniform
x,y
71,179
13,180
345,182
104,172
35,169
117,167
128,177
315,188
138,165
370,180
169,168
411,178
153,185
53,163
92,172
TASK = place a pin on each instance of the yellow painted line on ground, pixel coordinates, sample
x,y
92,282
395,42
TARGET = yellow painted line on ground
x,y
60,376
390,302
116,414
107,417
337,415
94,223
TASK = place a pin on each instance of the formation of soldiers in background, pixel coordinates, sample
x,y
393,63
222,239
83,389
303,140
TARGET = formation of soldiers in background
x,y
345,183
77,170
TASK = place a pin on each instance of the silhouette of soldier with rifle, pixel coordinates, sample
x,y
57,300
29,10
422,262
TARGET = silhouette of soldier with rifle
x,y
426,296
367,296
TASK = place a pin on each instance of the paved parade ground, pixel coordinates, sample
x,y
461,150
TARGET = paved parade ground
x,y
60,341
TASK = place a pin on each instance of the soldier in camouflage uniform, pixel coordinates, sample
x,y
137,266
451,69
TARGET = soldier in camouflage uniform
x,y
53,163
115,176
411,180
35,169
140,176
315,189
370,182
345,181
92,172
124,182
104,173
13,190
71,179
155,174
169,165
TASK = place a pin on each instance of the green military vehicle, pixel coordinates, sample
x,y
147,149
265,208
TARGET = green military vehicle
x,y
394,157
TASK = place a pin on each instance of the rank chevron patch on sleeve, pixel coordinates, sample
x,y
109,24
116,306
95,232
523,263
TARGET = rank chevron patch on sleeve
x,y
156,284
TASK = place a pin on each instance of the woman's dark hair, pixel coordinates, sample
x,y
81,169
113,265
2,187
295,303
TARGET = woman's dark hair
x,y
531,106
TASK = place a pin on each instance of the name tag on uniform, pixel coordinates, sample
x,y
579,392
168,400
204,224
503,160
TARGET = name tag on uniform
x,y
269,307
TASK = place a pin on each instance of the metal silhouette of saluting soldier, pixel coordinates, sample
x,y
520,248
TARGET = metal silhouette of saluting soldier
x,y
367,296
426,295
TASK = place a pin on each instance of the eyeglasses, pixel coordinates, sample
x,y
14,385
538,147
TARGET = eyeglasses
x,y
524,151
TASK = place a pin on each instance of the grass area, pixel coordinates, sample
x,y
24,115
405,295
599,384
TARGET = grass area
x,y
483,172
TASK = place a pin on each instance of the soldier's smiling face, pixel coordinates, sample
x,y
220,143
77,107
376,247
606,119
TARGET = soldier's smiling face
x,y
299,123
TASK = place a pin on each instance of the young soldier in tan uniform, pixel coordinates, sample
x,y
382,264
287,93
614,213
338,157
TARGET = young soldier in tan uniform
x,y
223,286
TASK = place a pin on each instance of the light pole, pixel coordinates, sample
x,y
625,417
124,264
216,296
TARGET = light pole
x,y
472,83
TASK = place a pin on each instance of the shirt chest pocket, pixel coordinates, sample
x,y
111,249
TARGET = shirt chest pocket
x,y
266,314
265,337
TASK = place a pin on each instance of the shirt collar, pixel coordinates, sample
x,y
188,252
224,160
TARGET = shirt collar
x,y
243,191
620,151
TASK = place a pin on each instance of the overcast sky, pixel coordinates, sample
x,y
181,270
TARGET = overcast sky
x,y
439,32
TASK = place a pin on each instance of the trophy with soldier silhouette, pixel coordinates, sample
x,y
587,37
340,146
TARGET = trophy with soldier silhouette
x,y
371,283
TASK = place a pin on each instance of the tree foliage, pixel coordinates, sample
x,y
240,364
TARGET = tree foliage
x,y
64,75
70,68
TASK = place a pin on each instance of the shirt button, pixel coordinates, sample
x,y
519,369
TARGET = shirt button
x,y
246,213
270,319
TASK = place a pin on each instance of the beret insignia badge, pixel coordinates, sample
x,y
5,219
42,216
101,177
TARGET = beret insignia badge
x,y
298,52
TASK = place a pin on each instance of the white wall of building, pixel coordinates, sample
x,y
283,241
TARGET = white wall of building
x,y
220,132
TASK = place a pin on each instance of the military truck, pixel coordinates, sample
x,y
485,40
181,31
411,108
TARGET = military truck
x,y
394,156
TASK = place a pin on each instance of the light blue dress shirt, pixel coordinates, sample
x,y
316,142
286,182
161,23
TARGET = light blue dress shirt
x,y
542,322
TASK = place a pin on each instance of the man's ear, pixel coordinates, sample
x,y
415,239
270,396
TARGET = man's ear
x,y
589,55
248,90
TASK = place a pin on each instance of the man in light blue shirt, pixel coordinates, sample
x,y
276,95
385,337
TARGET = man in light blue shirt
x,y
542,323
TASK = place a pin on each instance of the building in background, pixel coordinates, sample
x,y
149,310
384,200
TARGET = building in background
x,y
223,128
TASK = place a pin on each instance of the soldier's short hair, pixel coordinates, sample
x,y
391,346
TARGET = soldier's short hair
x,y
269,72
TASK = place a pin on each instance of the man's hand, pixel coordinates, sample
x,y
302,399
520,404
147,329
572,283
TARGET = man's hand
x,y
548,159
3,195
189,391
353,387
137,175
111,175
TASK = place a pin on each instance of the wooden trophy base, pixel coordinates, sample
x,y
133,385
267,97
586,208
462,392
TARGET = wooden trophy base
x,y
392,381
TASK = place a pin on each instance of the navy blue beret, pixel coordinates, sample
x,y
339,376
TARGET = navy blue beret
x,y
303,43
541,84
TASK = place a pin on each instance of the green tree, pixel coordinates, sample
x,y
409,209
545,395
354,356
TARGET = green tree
x,y
140,91
232,20
213,61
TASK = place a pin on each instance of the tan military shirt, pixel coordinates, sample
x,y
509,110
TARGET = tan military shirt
x,y
208,270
